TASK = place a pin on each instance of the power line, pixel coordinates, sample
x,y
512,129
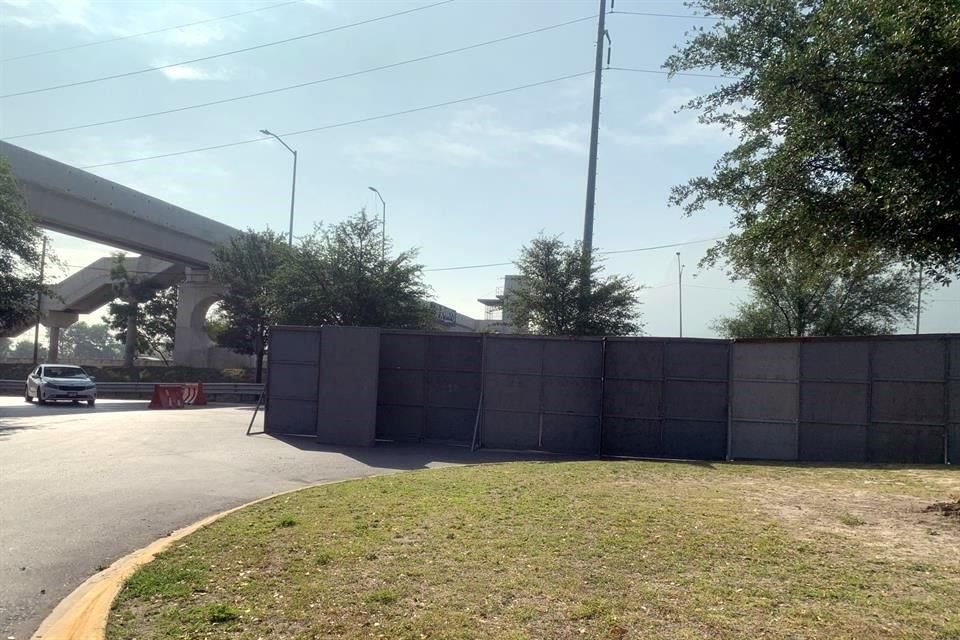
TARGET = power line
x,y
662,246
490,264
667,15
605,253
471,266
341,124
679,73
701,286
224,54
302,84
149,33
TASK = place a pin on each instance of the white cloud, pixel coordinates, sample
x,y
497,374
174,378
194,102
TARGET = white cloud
x,y
112,20
173,181
667,125
475,136
38,14
188,72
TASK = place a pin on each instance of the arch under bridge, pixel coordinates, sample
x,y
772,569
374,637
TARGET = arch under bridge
x,y
175,246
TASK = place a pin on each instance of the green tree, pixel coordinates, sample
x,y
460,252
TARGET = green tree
x,y
214,324
552,300
341,276
19,257
142,317
811,293
81,341
848,118
156,322
24,349
246,267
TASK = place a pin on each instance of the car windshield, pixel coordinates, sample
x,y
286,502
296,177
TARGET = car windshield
x,y
64,372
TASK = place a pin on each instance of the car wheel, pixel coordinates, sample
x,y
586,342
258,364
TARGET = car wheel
x,y
26,395
91,402
40,398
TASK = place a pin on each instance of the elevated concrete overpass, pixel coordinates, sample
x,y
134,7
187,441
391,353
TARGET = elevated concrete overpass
x,y
90,288
175,245
77,203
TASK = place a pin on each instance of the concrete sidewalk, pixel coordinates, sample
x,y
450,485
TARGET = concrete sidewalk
x,y
81,487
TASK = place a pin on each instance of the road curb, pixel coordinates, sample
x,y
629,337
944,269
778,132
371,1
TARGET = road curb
x,y
82,615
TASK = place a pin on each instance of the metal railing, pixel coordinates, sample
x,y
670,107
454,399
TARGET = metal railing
x,y
215,391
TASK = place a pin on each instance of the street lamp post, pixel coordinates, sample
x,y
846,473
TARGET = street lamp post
x,y
293,188
383,234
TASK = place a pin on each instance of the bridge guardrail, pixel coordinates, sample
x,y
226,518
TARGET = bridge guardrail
x,y
239,392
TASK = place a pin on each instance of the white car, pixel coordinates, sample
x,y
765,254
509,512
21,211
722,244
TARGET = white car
x,y
50,382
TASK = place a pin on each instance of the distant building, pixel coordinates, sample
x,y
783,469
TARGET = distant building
x,y
496,319
498,313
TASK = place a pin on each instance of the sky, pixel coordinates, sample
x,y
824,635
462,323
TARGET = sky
x,y
467,183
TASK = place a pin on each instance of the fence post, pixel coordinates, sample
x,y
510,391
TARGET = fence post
x,y
796,443
946,400
871,344
475,443
603,390
730,391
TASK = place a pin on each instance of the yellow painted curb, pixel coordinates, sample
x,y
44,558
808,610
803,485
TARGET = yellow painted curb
x,y
83,614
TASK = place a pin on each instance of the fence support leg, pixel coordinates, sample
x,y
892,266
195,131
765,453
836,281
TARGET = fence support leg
x,y
255,410
475,442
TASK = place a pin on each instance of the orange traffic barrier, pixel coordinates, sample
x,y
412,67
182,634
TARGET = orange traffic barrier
x,y
193,393
167,396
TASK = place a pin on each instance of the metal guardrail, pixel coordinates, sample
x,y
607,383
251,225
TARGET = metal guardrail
x,y
215,391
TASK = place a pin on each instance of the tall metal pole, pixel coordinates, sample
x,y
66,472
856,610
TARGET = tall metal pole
x,y
680,289
36,330
919,297
293,199
594,131
383,233
293,189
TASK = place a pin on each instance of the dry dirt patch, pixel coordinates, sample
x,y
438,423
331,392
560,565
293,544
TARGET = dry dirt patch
x,y
891,515
947,509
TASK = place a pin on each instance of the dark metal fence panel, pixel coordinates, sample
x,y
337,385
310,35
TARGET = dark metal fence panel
x,y
843,400
400,411
348,385
890,399
908,401
835,409
429,386
665,398
695,397
292,381
542,393
766,399
452,387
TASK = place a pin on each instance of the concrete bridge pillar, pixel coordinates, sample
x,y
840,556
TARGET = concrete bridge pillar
x,y
54,321
191,344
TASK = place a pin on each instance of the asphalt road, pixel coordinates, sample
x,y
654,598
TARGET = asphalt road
x,y
81,487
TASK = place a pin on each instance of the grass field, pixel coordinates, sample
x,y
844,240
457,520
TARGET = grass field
x,y
616,550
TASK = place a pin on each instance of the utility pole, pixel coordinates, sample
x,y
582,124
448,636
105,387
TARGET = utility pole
x,y
36,329
919,297
594,131
680,290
